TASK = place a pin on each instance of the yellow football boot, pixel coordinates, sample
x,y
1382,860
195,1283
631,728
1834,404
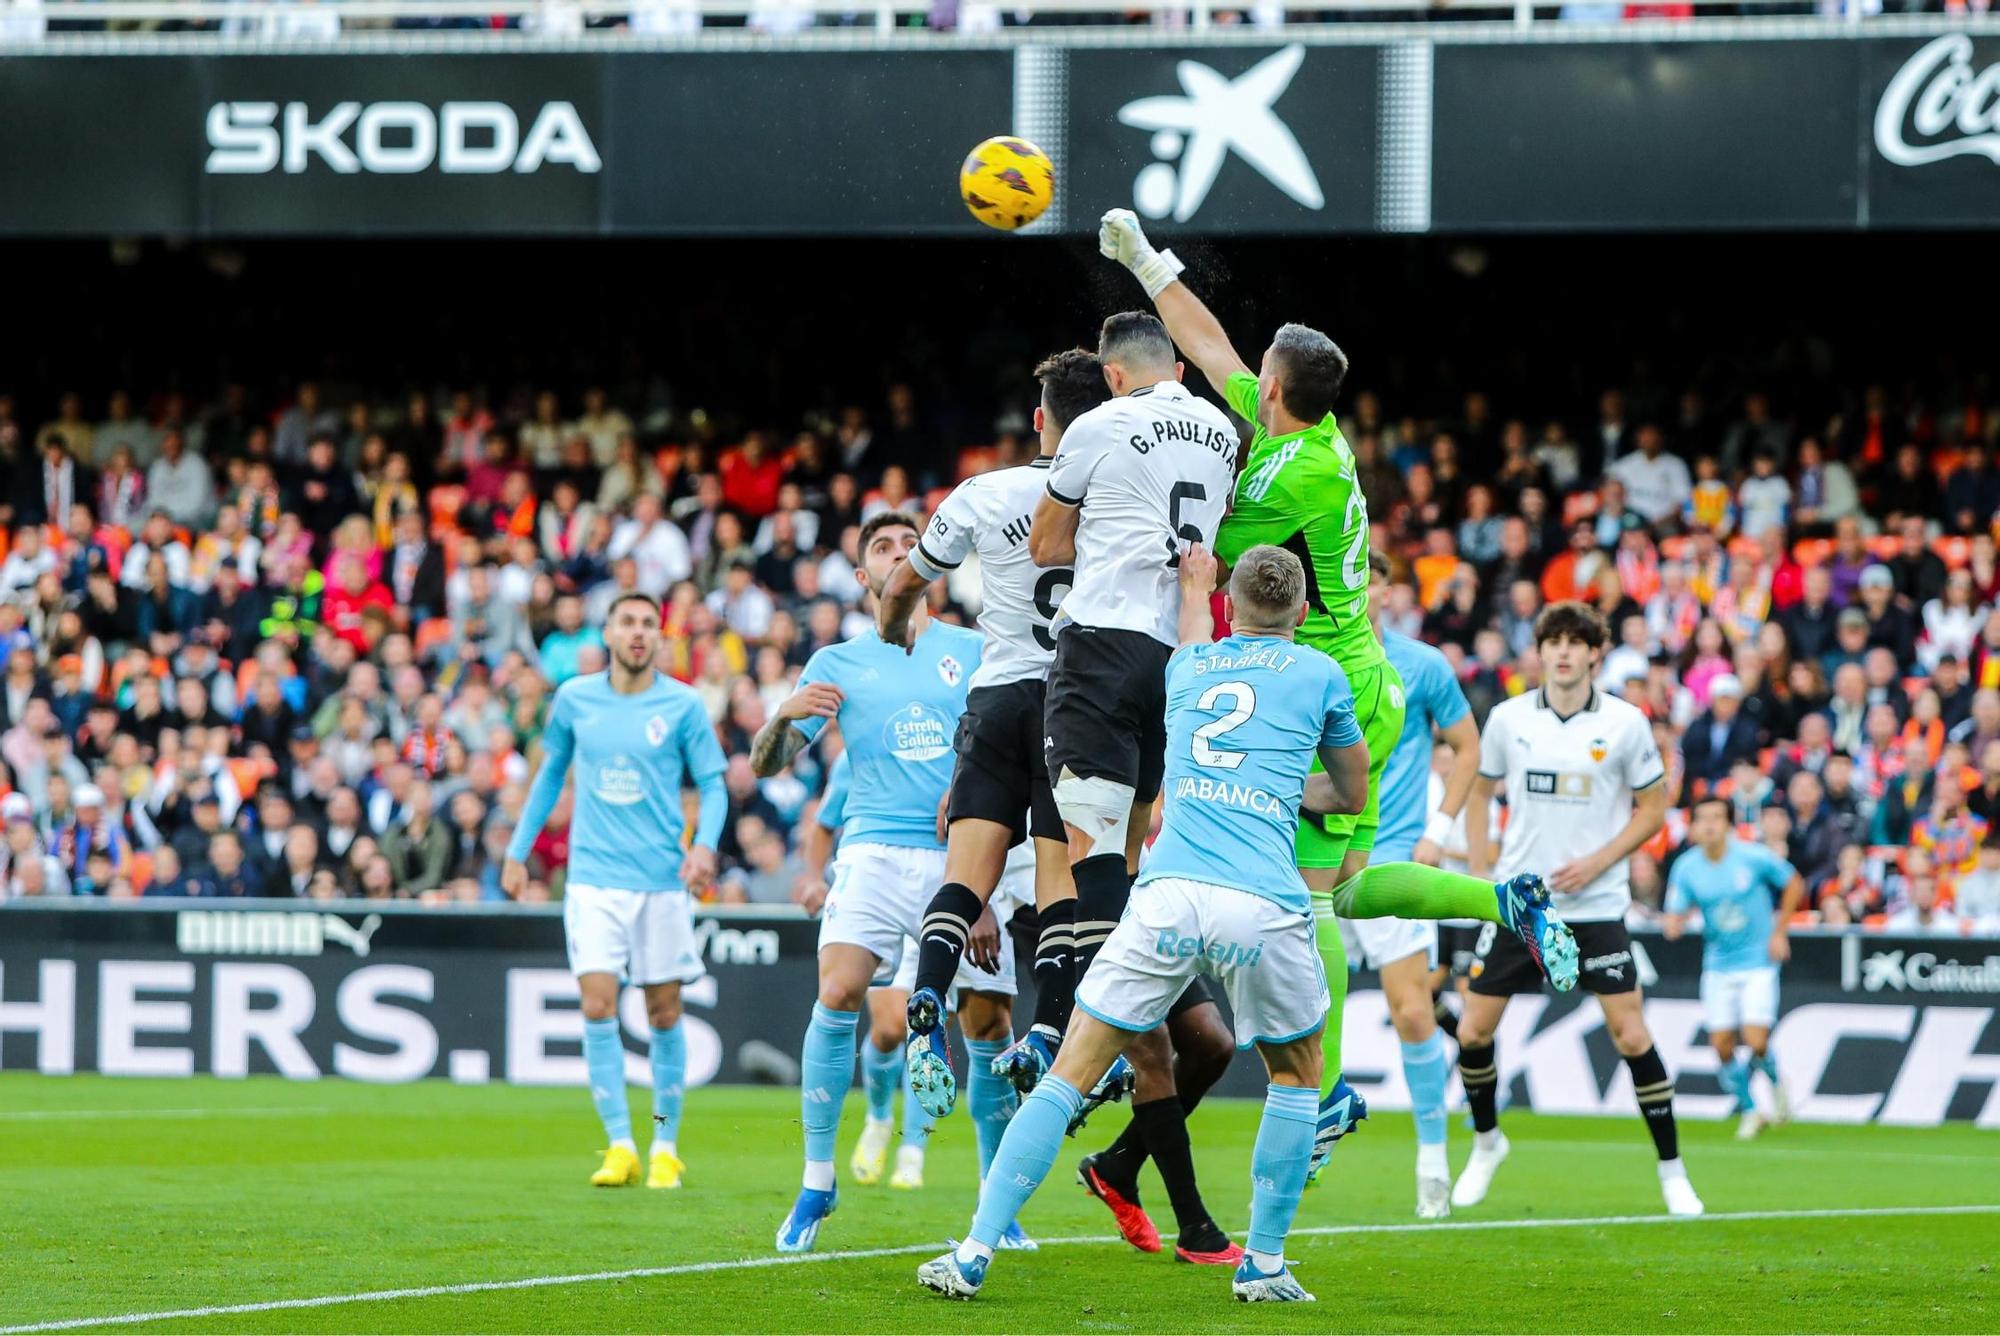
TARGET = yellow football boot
x,y
666,1169
620,1169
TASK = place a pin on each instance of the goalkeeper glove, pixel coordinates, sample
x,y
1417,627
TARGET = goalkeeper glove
x,y
1120,238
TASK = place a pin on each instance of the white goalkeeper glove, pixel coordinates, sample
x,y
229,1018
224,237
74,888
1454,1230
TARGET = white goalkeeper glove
x,y
1120,237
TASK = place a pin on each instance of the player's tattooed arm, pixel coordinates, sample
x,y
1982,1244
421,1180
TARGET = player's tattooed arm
x,y
777,742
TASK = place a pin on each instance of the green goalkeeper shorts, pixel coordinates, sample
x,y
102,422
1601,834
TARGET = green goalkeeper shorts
x,y
1324,841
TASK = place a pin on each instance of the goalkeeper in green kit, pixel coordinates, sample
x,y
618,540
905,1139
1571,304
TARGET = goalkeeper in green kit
x,y
1297,489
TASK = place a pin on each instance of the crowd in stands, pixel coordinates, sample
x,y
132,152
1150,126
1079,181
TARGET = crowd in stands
x,y
296,647
322,20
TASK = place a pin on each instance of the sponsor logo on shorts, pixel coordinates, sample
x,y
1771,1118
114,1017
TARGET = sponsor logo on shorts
x,y
1175,946
1611,966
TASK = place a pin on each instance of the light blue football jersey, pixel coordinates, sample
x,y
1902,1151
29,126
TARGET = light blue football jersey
x,y
1245,717
899,717
1431,696
833,802
632,756
1735,897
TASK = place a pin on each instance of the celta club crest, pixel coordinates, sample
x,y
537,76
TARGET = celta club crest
x,y
949,670
1193,134
656,730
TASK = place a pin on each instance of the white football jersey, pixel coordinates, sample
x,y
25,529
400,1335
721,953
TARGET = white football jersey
x,y
990,515
1153,471
1569,785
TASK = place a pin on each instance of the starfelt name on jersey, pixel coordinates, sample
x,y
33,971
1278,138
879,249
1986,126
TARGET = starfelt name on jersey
x,y
1277,655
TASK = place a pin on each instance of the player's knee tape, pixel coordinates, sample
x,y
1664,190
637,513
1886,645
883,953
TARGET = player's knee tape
x,y
1100,808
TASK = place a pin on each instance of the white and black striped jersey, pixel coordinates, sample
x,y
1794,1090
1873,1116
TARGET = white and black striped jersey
x,y
1152,471
990,515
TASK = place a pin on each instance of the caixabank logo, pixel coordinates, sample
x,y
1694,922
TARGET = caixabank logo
x,y
1944,102
396,138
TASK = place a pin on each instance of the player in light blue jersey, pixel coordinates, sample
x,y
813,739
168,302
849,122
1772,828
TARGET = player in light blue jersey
x,y
1731,882
897,710
634,738
1220,895
1403,951
984,987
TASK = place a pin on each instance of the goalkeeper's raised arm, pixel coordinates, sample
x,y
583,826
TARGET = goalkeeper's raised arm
x,y
1192,326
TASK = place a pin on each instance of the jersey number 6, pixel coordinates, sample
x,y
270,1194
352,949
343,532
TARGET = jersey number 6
x,y
1183,533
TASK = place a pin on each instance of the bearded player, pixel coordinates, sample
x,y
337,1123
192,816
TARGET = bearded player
x,y
897,711
1297,490
633,736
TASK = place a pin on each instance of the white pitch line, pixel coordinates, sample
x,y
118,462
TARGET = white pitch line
x,y
915,1249
33,1115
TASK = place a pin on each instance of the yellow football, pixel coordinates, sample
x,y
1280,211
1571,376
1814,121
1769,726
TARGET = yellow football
x,y
1007,182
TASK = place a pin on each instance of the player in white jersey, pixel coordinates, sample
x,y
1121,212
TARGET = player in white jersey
x,y
1133,484
1000,784
1584,786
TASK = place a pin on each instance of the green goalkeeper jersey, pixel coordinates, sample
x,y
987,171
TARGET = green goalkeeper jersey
x,y
1300,492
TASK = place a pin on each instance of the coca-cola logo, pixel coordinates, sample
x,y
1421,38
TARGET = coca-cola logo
x,y
1938,106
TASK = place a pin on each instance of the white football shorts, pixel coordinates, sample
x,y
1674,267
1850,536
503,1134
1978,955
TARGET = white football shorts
x,y
641,937
1373,943
877,900
1262,954
1732,999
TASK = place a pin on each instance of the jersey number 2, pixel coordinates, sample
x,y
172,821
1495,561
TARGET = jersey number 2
x,y
1243,698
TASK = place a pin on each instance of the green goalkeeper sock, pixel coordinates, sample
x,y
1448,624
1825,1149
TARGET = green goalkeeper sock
x,y
1413,891
1333,959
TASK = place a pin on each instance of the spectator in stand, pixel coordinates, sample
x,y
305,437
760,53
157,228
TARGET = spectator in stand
x,y
751,476
1851,894
1719,737
1890,625
655,543
418,847
1922,913
1656,482
1850,558
180,484
1826,493
1817,834
1918,572
1949,833
1976,899
1764,501
1756,432
1954,693
1972,494
1909,489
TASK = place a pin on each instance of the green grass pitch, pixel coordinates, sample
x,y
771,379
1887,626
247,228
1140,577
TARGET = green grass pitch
x,y
124,1197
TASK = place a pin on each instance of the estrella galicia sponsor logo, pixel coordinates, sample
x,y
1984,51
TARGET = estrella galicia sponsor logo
x,y
1223,955
1214,117
619,782
1939,106
1923,972
276,932
396,138
917,733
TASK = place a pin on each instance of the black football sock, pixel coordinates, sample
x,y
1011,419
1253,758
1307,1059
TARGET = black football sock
x,y
1163,1124
1655,1090
1102,888
947,923
1447,1019
1121,1161
1055,965
1480,1070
